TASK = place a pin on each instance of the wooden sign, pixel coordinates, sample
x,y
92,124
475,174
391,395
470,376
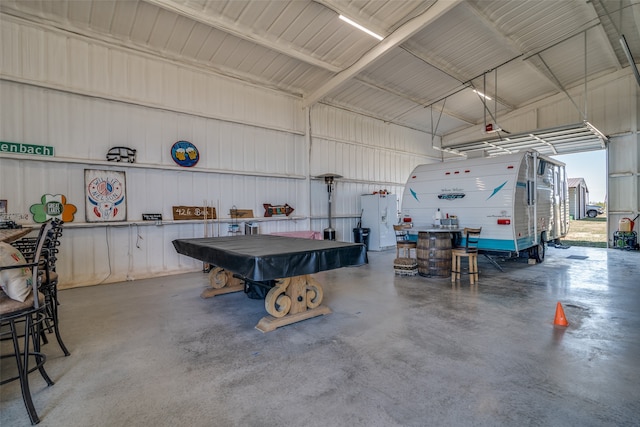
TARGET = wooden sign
x,y
241,213
193,212
271,210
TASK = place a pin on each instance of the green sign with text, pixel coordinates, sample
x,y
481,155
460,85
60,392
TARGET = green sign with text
x,y
19,148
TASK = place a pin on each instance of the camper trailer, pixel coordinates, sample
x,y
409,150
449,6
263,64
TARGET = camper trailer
x,y
520,200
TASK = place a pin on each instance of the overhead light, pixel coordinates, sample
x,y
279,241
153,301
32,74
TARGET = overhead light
x,y
488,98
360,27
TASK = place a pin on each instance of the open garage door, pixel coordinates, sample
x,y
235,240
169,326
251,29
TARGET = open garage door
x,y
554,141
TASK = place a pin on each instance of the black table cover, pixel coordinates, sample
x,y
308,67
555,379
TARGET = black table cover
x,y
267,257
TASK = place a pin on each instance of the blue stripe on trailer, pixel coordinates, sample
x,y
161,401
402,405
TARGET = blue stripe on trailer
x,y
494,244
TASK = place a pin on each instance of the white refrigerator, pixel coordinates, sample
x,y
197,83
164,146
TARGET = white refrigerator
x,y
379,214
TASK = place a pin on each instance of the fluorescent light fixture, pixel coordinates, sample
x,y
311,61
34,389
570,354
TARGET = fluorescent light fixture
x,y
488,98
360,27
627,52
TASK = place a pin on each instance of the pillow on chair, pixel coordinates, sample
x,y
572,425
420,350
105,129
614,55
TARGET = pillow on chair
x,y
15,282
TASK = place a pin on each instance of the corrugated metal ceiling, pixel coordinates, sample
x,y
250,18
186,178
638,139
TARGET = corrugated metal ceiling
x,y
421,75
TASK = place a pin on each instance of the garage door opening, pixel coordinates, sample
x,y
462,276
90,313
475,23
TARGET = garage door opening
x,y
587,198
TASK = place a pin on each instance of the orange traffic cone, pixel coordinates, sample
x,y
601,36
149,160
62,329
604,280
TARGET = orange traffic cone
x,y
560,319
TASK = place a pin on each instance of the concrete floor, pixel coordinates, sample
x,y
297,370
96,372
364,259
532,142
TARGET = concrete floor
x,y
396,351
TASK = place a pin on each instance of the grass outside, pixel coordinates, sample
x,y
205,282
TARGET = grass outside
x,y
587,232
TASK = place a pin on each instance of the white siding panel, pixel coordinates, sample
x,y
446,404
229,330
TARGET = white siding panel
x,y
11,115
33,54
10,62
71,61
34,112
623,162
98,69
170,86
78,64
369,154
137,76
57,61
84,128
118,65
562,112
611,105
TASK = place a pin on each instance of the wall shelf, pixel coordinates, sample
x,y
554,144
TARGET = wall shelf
x,y
169,222
164,167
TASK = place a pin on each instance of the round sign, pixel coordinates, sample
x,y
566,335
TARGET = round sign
x,y
185,153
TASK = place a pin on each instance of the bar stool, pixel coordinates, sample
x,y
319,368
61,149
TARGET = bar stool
x,y
469,250
403,243
404,265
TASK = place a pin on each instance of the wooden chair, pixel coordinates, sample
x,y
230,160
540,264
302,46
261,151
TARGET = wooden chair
x,y
403,243
31,314
469,250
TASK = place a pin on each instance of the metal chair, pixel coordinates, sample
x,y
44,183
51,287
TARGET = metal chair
x,y
469,250
48,275
403,243
31,314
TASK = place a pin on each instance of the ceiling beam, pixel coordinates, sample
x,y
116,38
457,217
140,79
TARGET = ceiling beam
x,y
390,42
611,44
243,32
419,102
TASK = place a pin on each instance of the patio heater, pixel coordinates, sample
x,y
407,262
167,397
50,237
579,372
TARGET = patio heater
x,y
329,178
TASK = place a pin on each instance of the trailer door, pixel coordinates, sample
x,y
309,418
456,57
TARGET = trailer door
x,y
525,242
563,191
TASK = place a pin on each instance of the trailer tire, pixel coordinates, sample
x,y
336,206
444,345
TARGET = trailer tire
x,y
537,252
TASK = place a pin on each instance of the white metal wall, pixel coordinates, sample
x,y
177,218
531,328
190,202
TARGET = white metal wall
x,y
623,163
369,154
84,96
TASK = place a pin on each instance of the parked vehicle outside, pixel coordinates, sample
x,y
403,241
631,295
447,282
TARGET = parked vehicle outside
x,y
594,210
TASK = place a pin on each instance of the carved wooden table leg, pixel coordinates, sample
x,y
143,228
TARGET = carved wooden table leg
x,y
291,300
222,282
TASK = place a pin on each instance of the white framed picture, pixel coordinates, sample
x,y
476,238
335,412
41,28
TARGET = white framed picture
x,y
105,195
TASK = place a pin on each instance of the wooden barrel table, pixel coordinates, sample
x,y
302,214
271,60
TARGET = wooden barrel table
x,y
434,253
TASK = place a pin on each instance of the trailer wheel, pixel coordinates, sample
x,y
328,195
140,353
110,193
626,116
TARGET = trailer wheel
x,y
537,252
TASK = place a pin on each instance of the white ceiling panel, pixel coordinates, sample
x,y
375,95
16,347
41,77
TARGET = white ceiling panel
x,y
462,45
535,25
521,82
415,79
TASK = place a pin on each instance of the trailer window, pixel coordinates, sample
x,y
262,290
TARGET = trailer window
x,y
531,198
542,166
